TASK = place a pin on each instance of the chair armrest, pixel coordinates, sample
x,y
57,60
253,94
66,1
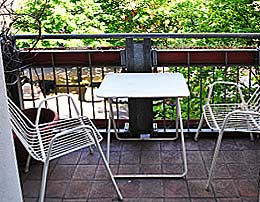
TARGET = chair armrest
x,y
224,82
238,86
254,113
241,112
54,97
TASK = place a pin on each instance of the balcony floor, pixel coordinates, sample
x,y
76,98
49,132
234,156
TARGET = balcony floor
x,y
80,176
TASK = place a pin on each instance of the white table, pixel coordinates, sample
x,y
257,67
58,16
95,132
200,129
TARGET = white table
x,y
145,85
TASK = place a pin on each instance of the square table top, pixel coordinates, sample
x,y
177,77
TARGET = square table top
x,y
143,85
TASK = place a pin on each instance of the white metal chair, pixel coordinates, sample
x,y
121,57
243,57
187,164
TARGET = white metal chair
x,y
236,117
48,141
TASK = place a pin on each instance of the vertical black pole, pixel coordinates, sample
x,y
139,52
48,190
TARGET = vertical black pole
x,y
140,110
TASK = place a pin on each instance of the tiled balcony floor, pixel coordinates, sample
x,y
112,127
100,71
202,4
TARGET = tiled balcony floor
x,y
81,177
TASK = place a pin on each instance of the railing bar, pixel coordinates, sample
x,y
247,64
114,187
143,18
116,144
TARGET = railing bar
x,y
188,111
55,51
250,81
104,101
117,106
81,97
117,112
91,82
68,91
117,109
258,56
225,73
225,78
92,91
164,111
119,69
20,89
31,83
67,80
23,73
200,83
139,35
214,79
43,83
164,116
55,82
237,93
226,58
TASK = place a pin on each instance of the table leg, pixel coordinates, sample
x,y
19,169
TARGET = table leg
x,y
110,119
177,118
108,137
178,175
182,139
109,129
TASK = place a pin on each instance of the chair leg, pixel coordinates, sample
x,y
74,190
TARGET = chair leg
x,y
27,165
248,123
252,137
44,180
109,171
199,128
90,150
214,158
259,187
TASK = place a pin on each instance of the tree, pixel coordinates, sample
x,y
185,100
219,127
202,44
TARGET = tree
x,y
60,16
142,16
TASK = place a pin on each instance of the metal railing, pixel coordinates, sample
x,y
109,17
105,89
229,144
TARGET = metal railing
x,y
81,71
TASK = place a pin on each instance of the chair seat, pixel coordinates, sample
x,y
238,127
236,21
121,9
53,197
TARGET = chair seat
x,y
215,115
70,141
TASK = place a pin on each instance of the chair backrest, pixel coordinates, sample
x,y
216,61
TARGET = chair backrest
x,y
25,130
254,101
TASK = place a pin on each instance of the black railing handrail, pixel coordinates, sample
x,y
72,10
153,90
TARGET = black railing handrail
x,y
140,35
54,50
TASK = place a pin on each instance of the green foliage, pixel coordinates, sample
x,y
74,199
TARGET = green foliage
x,y
61,16
198,79
142,16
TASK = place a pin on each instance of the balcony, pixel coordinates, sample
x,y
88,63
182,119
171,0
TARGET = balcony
x,y
82,177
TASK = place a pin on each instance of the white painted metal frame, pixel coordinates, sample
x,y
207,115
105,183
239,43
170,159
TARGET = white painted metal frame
x,y
145,85
48,141
237,117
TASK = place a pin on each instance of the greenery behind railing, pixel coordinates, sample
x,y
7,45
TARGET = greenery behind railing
x,y
199,78
142,16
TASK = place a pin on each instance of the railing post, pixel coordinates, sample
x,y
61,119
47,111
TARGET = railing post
x,y
138,59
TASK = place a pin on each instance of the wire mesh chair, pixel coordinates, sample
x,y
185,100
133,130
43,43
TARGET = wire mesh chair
x,y
48,141
236,117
